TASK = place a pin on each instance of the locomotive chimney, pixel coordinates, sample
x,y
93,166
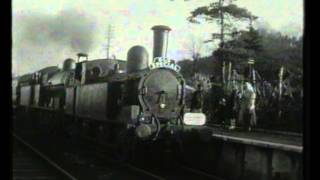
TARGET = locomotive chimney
x,y
160,40
82,55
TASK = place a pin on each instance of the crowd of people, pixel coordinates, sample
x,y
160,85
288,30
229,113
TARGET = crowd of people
x,y
247,102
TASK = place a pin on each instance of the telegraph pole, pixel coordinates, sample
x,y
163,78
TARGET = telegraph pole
x,y
221,24
221,45
109,37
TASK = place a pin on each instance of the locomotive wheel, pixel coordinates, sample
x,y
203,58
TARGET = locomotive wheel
x,y
73,128
58,124
51,125
125,145
37,128
103,134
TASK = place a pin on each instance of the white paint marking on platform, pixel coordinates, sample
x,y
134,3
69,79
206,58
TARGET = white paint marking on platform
x,y
285,147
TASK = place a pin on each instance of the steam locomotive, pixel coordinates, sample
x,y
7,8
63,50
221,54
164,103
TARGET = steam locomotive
x,y
108,96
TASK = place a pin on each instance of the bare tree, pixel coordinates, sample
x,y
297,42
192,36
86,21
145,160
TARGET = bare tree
x,y
195,47
110,36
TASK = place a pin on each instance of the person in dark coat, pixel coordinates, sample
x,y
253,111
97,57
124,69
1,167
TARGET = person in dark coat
x,y
233,107
218,102
197,99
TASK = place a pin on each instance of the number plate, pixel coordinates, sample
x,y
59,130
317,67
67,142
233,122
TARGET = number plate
x,y
194,119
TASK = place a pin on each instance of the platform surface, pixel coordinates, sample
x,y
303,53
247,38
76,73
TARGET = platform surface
x,y
292,143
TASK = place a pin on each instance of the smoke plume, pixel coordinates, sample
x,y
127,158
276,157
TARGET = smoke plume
x,y
44,40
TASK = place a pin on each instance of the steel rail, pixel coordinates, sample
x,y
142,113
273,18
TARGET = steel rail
x,y
57,167
144,171
126,165
196,171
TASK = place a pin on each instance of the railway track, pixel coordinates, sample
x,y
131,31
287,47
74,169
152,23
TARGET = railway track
x,y
89,168
30,163
99,165
177,172
184,172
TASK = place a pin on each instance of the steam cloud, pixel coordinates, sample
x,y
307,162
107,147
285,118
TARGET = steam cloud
x,y
43,40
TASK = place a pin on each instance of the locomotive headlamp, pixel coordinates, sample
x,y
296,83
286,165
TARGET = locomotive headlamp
x,y
162,99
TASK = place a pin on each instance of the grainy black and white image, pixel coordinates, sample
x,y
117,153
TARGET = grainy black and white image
x,y
157,89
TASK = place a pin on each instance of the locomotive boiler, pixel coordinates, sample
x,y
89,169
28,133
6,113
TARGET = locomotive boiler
x,y
105,97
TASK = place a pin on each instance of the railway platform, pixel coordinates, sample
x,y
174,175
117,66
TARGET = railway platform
x,y
239,154
279,141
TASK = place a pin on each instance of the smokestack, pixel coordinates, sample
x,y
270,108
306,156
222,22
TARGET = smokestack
x,y
82,55
160,40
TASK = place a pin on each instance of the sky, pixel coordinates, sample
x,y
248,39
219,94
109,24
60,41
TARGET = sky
x,y
47,32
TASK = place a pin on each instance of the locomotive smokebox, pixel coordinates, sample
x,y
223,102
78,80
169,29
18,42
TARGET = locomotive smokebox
x,y
68,64
137,59
160,40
